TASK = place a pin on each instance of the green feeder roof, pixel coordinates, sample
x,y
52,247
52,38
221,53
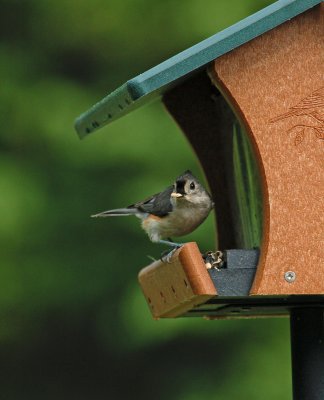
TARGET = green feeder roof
x,y
157,80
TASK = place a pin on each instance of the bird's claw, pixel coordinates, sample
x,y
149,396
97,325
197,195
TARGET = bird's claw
x,y
166,256
151,258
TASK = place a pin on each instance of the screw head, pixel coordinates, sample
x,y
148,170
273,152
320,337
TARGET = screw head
x,y
290,276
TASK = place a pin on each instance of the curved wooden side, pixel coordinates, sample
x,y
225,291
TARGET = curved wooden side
x,y
275,85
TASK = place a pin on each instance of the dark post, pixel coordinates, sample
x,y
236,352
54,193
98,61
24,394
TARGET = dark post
x,y
307,352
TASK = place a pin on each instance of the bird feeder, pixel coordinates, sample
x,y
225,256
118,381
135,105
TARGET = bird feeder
x,y
257,85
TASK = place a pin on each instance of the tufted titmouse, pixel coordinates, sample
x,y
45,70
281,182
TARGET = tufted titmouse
x,y
176,211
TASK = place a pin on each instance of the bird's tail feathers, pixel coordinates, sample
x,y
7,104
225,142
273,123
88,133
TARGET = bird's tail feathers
x,y
119,212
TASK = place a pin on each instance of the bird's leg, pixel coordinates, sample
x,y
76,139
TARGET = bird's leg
x,y
169,242
166,256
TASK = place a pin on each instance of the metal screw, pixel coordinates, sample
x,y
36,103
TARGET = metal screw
x,y
290,276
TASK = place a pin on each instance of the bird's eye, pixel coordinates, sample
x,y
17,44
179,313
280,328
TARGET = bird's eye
x,y
192,185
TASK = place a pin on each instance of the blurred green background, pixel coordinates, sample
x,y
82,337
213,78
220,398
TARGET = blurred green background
x,y
74,323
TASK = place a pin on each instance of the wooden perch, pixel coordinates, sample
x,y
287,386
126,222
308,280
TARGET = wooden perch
x,y
172,289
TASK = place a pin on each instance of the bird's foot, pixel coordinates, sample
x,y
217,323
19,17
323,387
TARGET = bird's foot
x,y
151,258
167,255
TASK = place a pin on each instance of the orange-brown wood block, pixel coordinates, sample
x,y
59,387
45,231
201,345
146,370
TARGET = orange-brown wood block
x,y
173,288
275,85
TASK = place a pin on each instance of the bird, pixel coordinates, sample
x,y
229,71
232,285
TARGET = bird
x,y
176,211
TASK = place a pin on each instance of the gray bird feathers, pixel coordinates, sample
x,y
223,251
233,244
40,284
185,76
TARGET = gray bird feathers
x,y
159,204
176,211
119,212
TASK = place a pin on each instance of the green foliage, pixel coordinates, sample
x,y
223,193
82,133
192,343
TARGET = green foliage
x,y
74,323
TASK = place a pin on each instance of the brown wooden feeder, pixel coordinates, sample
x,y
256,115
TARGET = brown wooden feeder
x,y
284,119
265,72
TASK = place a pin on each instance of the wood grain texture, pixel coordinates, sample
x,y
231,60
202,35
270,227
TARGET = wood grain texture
x,y
173,288
275,85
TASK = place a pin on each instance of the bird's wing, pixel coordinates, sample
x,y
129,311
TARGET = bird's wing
x,y
159,204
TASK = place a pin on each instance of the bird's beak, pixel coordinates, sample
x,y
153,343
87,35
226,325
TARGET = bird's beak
x,y
175,194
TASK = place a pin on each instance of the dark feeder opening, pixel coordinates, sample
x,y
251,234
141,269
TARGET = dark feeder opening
x,y
227,157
